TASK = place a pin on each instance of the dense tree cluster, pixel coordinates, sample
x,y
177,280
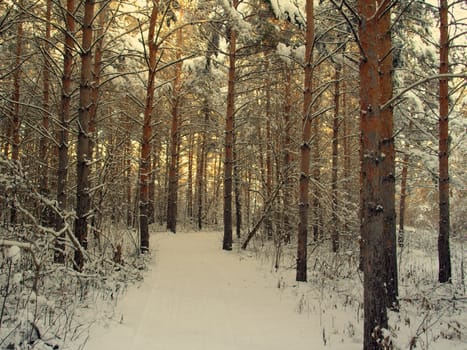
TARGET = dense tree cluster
x,y
303,121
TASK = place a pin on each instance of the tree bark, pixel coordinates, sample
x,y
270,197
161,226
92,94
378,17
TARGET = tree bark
x,y
200,173
268,221
301,273
43,143
95,85
67,90
83,202
237,185
334,166
172,198
16,118
229,139
189,190
287,155
372,218
128,178
444,255
405,170
385,58
145,160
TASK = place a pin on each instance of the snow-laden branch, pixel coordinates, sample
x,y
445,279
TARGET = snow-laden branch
x,y
420,82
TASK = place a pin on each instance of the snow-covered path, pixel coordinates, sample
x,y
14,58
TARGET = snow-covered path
x,y
197,296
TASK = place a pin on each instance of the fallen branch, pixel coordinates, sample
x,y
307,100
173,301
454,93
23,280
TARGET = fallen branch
x,y
265,213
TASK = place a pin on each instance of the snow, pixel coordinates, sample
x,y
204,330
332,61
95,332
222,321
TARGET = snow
x,y
197,296
13,253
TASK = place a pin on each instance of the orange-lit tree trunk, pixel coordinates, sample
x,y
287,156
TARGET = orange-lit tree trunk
x,y
444,255
96,73
372,215
305,147
229,139
67,90
334,166
172,197
145,160
385,58
83,202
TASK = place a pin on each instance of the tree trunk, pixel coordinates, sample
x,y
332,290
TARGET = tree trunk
x,y
305,148
268,221
16,118
128,177
237,184
145,161
287,156
93,141
229,139
317,216
44,144
385,58
444,254
83,203
172,198
346,151
189,190
200,173
405,170
334,166
67,90
372,218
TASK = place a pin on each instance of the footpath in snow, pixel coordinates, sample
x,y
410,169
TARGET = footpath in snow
x,y
197,296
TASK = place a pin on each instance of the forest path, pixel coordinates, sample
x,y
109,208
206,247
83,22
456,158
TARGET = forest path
x,y
197,296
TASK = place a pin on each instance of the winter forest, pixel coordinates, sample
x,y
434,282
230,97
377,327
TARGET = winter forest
x,y
233,174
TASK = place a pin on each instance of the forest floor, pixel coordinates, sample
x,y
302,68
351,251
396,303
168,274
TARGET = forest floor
x,y
197,296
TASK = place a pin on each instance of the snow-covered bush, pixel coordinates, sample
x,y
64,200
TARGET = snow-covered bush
x,y
40,298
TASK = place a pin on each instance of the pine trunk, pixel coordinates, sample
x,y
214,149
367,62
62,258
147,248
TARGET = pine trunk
x,y
67,90
301,274
405,170
268,221
172,198
237,184
189,190
44,143
388,165
372,211
16,118
93,141
145,160
334,166
229,139
444,254
83,203
286,192
200,173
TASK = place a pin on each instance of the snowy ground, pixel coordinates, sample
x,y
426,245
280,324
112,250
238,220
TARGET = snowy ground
x,y
196,296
